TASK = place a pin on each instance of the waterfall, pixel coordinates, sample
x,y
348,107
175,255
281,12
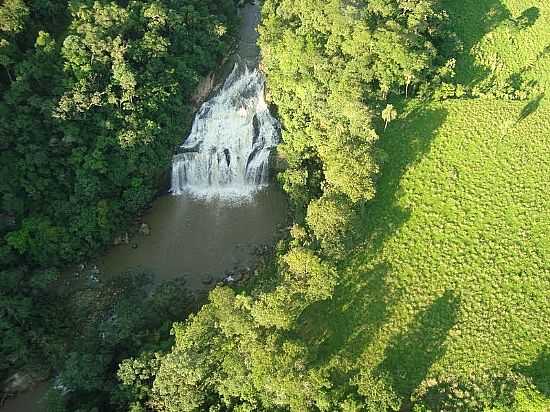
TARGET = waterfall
x,y
229,147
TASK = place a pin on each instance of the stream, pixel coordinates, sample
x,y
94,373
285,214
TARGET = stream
x,y
221,208
201,239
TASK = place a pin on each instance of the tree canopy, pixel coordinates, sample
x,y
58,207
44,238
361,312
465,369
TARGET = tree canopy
x,y
94,96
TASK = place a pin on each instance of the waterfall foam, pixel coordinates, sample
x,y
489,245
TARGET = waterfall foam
x,y
228,150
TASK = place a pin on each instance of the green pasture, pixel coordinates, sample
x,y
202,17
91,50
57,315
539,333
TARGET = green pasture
x,y
452,277
502,40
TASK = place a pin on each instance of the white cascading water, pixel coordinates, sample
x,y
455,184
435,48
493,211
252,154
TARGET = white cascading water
x,y
231,141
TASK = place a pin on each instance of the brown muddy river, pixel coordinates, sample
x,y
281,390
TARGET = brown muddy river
x,y
201,238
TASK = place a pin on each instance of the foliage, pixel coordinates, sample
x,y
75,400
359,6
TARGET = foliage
x,y
90,114
231,354
460,210
94,95
223,359
492,391
305,279
419,283
329,67
26,317
447,276
525,400
137,375
331,219
114,319
504,47
377,394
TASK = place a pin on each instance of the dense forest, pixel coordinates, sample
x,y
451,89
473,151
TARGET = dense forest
x,y
95,95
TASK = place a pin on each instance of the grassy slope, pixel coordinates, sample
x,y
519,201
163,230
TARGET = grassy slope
x,y
503,39
454,275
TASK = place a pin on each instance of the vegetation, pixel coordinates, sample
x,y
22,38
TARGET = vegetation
x,y
415,276
429,239
91,113
94,95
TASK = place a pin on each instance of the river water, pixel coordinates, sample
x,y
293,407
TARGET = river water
x,y
202,238
224,210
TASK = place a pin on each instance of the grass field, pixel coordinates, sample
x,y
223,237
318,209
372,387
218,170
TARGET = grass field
x,y
453,278
502,40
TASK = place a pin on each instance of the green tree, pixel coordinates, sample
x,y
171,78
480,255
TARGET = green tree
x,y
13,15
330,66
223,359
94,96
378,394
389,114
331,218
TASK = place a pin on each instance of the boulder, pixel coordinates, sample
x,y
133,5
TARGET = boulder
x,y
229,278
144,229
204,88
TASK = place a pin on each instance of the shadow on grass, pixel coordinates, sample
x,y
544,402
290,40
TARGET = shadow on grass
x,y
539,371
409,357
530,108
528,18
520,80
404,144
471,20
347,324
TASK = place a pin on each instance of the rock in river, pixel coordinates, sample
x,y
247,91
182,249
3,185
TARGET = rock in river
x,y
144,229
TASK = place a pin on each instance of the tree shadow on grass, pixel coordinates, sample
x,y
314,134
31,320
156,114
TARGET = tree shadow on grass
x,y
404,144
539,371
409,357
520,81
347,323
531,107
362,302
471,20
528,18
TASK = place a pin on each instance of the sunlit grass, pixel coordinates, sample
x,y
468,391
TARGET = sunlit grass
x,y
453,278
502,39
